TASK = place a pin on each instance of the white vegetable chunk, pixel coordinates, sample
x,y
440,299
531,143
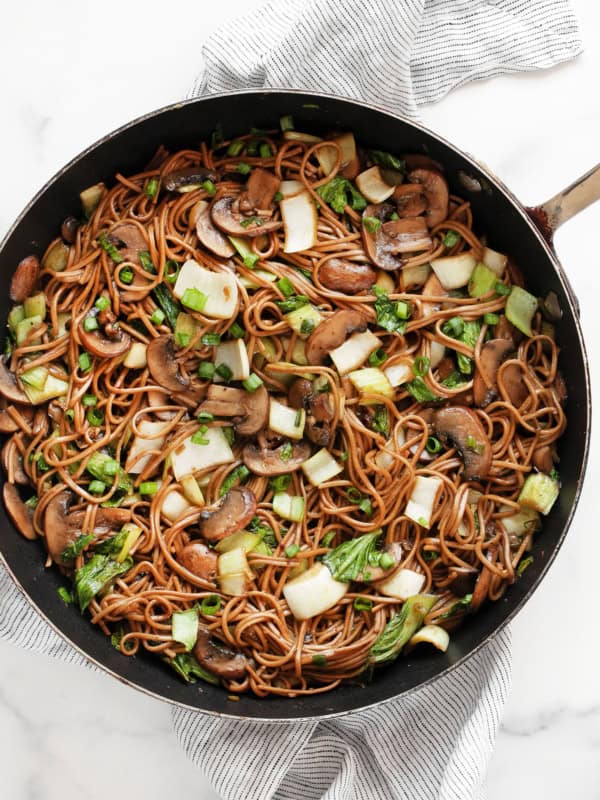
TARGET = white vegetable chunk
x,y
220,289
355,351
291,188
136,357
371,380
402,584
174,505
437,351
527,520
300,221
285,420
539,492
327,156
453,272
313,592
371,184
190,458
149,439
235,356
397,374
384,458
494,261
321,467
432,634
420,505
234,572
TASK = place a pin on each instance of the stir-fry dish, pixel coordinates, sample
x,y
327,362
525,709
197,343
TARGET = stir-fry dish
x,y
277,413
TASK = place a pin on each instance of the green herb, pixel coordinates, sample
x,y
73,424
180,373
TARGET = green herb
x,y
501,289
451,238
363,604
182,339
366,506
223,371
327,539
265,531
394,216
319,660
96,487
252,383
286,123
211,339
41,463
286,452
189,669
70,414
184,625
198,437
265,150
158,317
65,595
350,558
377,357
340,192
209,187
238,475
206,370
419,390
280,483
102,303
90,324
235,148
89,400
464,602
146,261
210,605
148,487
554,475
523,564
454,327
85,362
277,197
95,416
307,326
205,416
401,627
229,434
387,160
491,319
472,444
429,555
104,468
244,169
420,366
110,248
76,548
386,311
344,455
292,303
152,188
381,421
171,271
93,577
236,331
433,445
291,550
194,299
126,275
371,224
403,310
170,307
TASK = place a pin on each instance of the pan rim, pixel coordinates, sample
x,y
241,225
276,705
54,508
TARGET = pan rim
x,y
497,185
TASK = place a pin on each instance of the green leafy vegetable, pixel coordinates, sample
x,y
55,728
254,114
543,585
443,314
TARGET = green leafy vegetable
x,y
292,303
189,669
523,564
77,547
381,421
65,595
185,627
464,602
418,389
349,559
340,192
238,475
95,575
112,251
401,627
387,312
103,467
387,160
265,531
168,304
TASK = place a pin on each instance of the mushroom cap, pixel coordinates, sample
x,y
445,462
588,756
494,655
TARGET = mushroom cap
x,y
199,559
13,463
511,379
8,385
250,410
492,355
190,176
260,190
217,658
331,333
299,393
97,343
543,458
349,277
20,514
162,364
25,276
231,514
410,200
460,427
69,228
393,237
506,330
435,189
226,215
210,236
129,240
432,288
269,462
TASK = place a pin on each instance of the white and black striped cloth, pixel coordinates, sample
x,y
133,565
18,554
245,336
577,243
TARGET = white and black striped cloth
x,y
435,744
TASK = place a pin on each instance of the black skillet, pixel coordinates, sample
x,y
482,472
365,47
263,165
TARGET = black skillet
x,y
509,228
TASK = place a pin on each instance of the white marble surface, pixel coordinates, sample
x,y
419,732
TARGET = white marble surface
x,y
72,71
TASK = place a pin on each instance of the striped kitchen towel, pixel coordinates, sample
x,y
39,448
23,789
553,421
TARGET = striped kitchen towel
x,y
436,743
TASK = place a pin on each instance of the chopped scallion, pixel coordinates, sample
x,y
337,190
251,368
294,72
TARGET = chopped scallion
x,y
206,370
252,383
90,324
223,371
194,299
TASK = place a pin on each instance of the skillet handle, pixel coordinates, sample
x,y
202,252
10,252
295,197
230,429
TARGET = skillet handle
x,y
579,195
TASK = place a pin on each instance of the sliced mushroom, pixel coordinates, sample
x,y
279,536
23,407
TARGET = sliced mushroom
x,y
20,513
209,236
275,462
318,405
8,385
299,393
410,200
492,355
199,559
217,658
231,514
332,333
432,288
129,241
420,161
69,228
349,277
261,188
511,377
543,458
249,410
12,462
100,344
163,366
460,427
23,281
156,398
435,189
226,215
189,178
506,330
7,423
393,237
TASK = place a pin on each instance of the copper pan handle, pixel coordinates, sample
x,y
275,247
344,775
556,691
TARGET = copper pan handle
x,y
579,195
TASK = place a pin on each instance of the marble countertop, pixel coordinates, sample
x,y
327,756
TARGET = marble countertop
x,y
75,70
